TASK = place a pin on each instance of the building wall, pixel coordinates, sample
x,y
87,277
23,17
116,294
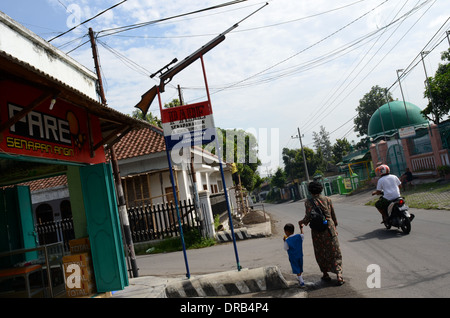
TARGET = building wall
x,y
30,48
423,164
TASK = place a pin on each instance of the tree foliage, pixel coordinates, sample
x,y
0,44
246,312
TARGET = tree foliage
x,y
241,148
155,121
367,106
278,179
322,142
438,91
340,149
293,162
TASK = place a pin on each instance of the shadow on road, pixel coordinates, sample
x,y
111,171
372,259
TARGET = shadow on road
x,y
380,234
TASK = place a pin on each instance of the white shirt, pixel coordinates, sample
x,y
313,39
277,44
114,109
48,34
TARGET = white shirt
x,y
389,184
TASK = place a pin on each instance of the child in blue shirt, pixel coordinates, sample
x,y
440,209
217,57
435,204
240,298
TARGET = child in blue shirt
x,y
293,244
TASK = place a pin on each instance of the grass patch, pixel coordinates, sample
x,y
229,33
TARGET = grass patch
x,y
192,240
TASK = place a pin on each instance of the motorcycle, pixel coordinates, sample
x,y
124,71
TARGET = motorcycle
x,y
399,216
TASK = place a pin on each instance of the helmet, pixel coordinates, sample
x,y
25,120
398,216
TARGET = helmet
x,y
382,170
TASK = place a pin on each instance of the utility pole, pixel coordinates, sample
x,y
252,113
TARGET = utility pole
x,y
180,95
303,153
115,166
429,87
403,97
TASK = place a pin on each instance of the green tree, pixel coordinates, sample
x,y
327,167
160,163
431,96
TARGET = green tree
x,y
155,121
294,166
175,102
367,106
340,148
278,179
240,147
322,142
291,166
440,91
317,162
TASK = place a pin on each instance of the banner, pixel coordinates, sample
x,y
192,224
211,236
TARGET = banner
x,y
60,132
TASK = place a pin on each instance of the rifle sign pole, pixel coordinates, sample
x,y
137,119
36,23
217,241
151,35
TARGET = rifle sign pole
x,y
175,198
189,125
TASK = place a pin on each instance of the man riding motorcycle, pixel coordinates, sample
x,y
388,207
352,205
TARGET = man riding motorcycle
x,y
389,185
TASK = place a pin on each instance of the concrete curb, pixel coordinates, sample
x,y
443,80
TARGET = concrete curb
x,y
250,231
239,234
229,283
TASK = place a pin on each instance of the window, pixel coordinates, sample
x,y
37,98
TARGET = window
x,y
44,213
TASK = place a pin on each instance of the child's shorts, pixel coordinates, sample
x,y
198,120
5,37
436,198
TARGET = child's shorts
x,y
296,265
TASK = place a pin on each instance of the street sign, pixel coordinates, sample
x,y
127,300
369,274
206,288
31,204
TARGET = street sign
x,y
406,132
188,125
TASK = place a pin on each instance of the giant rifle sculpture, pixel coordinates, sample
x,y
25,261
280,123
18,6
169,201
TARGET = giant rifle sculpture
x,y
167,74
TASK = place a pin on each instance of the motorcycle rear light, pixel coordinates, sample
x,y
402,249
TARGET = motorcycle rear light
x,y
401,202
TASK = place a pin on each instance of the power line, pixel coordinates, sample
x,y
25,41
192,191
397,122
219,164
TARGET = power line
x,y
242,30
128,62
97,15
318,113
404,16
415,58
303,50
411,66
143,24
369,71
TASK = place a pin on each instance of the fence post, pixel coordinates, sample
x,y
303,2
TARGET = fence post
x,y
208,218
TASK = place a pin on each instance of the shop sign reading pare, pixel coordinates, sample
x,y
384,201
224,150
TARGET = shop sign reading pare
x,y
60,133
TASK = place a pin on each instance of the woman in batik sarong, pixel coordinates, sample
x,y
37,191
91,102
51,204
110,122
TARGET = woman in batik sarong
x,y
326,244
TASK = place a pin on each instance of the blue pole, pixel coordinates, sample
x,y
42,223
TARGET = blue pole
x,y
228,206
188,275
221,172
175,197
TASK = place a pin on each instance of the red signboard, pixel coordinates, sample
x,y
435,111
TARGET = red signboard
x,y
180,113
188,125
60,133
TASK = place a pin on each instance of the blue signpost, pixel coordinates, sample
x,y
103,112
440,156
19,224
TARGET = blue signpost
x,y
192,125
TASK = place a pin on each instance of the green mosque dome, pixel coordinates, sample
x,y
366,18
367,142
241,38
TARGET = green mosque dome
x,y
388,118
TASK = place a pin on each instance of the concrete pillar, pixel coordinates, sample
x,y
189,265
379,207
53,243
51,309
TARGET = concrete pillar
x,y
382,151
374,154
407,152
436,143
208,229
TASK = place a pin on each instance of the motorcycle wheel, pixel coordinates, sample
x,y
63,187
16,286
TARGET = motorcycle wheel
x,y
406,225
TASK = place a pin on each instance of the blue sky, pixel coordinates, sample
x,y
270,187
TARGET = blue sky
x,y
293,64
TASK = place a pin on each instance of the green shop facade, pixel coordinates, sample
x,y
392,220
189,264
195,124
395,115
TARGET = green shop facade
x,y
50,127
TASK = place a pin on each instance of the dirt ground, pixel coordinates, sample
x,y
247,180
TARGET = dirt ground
x,y
254,217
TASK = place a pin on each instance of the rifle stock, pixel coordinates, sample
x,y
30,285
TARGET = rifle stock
x,y
147,99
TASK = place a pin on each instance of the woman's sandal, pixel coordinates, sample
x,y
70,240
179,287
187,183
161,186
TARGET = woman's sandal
x,y
325,278
340,280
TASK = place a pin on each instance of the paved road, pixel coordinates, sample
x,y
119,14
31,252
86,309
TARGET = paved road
x,y
414,265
